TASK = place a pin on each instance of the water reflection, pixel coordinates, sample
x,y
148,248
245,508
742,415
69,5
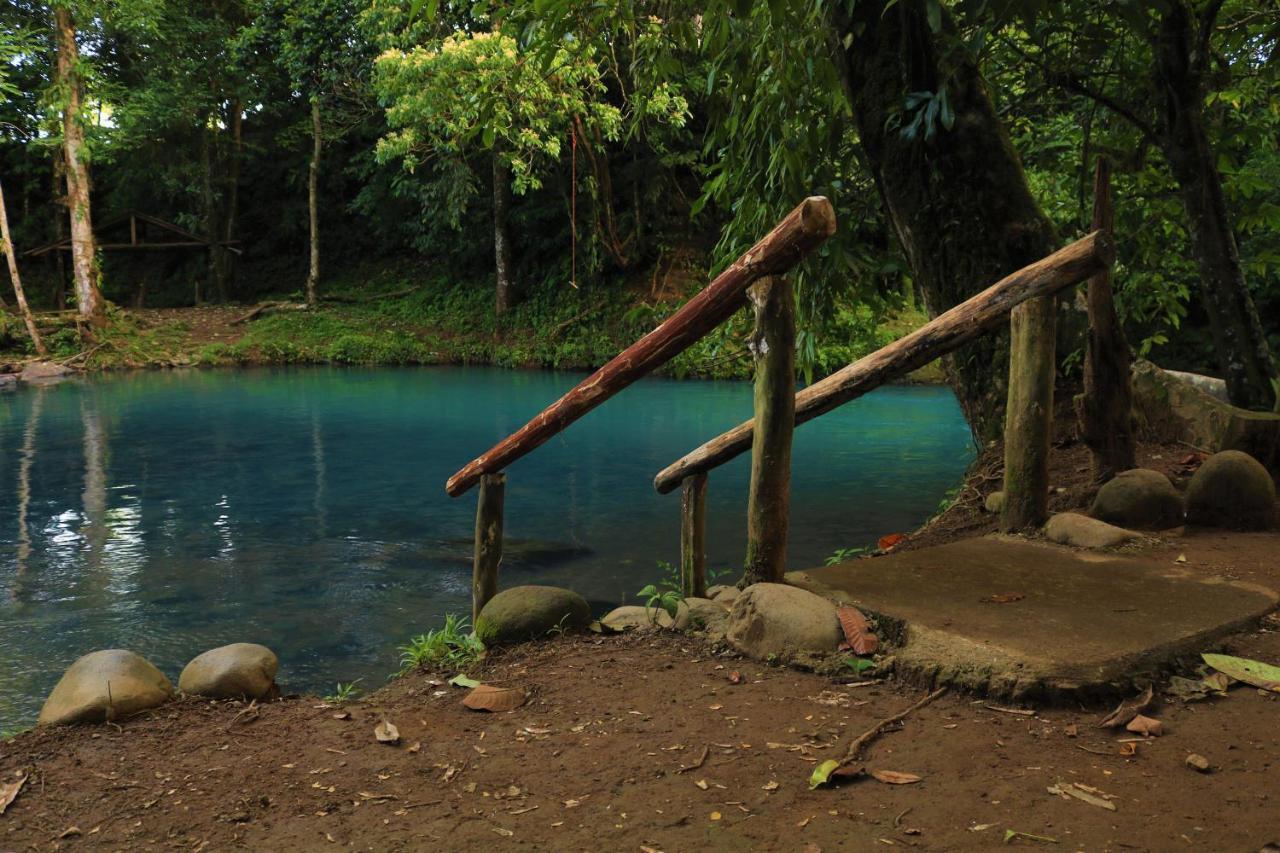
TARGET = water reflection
x,y
171,512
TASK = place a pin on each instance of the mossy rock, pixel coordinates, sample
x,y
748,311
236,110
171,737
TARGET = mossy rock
x,y
1140,499
1233,490
531,612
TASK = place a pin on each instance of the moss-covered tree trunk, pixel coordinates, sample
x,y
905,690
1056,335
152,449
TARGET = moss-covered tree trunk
x,y
502,262
1181,55
957,197
84,261
313,201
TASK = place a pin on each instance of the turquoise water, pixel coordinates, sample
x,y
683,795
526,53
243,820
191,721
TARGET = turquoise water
x,y
169,512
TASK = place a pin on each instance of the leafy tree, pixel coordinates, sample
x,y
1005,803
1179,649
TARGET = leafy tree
x,y
477,92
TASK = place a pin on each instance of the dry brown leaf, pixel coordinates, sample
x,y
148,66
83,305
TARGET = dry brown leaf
x,y
1127,711
1198,762
890,541
857,631
1002,598
1145,726
893,777
735,677
1071,730
9,792
386,732
486,697
1083,793
1128,749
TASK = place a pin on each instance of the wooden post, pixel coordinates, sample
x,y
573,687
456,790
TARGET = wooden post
x,y
488,554
1105,407
1028,422
803,229
693,537
773,346
939,336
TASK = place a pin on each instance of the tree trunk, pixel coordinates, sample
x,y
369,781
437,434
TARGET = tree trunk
x,y
59,231
1104,409
83,249
313,202
227,267
959,200
501,236
693,537
6,245
1181,50
210,215
773,344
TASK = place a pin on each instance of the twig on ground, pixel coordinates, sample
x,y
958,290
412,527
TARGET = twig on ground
x,y
701,760
872,733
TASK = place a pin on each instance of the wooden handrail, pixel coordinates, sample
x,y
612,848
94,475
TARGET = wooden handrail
x,y
1086,257
803,229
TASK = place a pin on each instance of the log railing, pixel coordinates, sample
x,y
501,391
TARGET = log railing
x,y
802,230
968,320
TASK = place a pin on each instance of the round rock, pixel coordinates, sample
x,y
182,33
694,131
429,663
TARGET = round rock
x,y
773,621
1139,498
103,686
994,502
636,616
237,671
1231,489
1072,528
529,613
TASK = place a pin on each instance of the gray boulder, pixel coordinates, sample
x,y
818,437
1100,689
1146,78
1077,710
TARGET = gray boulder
x,y
636,616
1231,489
994,502
1081,531
723,594
8,380
1169,408
105,685
709,615
529,613
1139,498
44,373
773,621
237,671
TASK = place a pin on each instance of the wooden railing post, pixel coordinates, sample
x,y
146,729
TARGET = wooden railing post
x,y
488,553
1028,418
693,536
773,347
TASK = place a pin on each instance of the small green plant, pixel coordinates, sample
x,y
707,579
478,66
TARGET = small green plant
x,y
560,628
948,501
344,692
859,665
453,646
666,593
841,554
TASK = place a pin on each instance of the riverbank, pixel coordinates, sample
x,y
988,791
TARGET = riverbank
x,y
434,322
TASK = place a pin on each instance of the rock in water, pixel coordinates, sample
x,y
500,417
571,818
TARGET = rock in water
x,y
44,373
1071,528
105,685
777,621
635,616
530,613
1231,489
1139,498
237,671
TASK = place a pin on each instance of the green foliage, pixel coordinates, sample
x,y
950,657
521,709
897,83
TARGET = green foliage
x,y
451,646
344,692
841,554
666,593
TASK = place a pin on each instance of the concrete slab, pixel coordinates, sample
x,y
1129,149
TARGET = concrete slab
x,y
1088,625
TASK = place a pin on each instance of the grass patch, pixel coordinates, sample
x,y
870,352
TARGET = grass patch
x,y
453,646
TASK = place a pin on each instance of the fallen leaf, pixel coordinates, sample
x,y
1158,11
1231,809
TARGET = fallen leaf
x,y
70,832
1071,730
735,677
981,827
1127,711
891,541
342,715
1082,793
1003,598
1218,682
822,773
486,697
1128,749
893,777
715,815
1145,726
1011,835
417,746
857,631
714,707
701,783
386,732
1255,672
463,681
1181,558
504,832
1198,762
771,785
9,792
